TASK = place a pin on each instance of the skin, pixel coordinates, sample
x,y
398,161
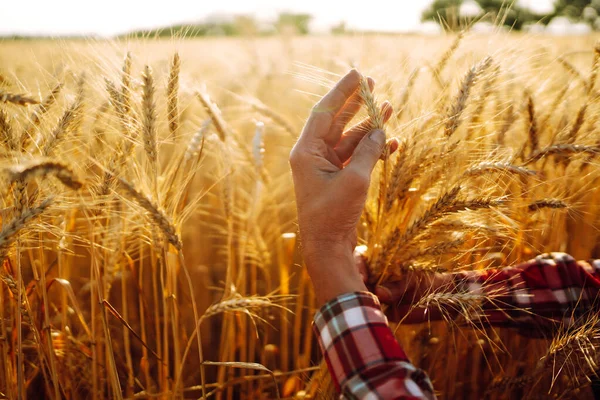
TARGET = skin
x,y
402,295
331,167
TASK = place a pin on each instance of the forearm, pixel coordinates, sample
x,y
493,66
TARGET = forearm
x,y
535,297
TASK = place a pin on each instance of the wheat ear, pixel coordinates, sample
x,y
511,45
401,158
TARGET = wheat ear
x,y
572,71
18,99
485,167
156,215
579,120
7,134
44,168
10,230
38,113
459,104
172,95
68,122
439,68
375,116
149,112
547,203
594,72
563,149
406,91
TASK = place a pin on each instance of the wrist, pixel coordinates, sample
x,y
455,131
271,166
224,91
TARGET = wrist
x,y
332,269
318,251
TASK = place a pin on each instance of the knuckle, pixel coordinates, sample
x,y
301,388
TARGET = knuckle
x,y
296,157
372,146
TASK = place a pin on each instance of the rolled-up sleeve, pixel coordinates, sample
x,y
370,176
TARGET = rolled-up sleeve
x,y
362,354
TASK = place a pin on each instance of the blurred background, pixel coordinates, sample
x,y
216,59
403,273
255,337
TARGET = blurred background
x,y
39,18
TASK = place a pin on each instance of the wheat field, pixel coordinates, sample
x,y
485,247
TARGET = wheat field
x,y
148,228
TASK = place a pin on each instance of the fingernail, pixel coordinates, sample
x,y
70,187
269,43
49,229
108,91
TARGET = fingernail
x,y
383,293
378,136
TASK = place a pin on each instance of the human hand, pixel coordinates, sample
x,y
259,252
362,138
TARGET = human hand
x,y
332,169
403,295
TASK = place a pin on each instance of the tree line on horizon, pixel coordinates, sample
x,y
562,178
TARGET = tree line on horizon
x,y
510,13
446,13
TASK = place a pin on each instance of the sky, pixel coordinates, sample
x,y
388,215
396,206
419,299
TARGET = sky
x,y
110,17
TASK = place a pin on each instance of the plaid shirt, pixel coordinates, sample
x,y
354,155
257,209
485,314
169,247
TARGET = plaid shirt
x,y
537,297
366,362
363,357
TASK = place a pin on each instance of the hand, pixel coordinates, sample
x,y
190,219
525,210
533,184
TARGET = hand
x,y
404,294
332,172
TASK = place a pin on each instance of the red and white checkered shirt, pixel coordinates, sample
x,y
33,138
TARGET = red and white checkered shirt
x,y
366,362
363,357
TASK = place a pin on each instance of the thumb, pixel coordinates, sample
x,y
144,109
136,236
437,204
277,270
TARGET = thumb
x,y
367,152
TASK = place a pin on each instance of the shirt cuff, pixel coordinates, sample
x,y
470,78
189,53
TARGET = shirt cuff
x,y
353,334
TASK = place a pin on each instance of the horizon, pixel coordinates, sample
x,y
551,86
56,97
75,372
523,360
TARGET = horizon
x,y
113,17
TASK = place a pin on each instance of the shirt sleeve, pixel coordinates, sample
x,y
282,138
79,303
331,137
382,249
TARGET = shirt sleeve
x,y
363,357
537,296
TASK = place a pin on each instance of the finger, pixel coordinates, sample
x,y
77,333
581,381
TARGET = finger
x,y
354,135
346,114
393,293
366,155
323,113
